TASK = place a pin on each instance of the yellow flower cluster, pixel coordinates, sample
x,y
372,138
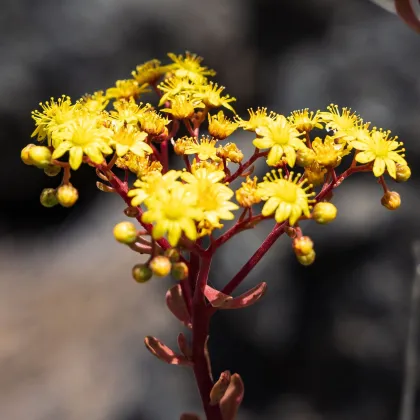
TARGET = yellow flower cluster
x,y
115,128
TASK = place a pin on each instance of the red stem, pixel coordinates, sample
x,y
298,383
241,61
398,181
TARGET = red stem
x,y
246,165
200,332
164,156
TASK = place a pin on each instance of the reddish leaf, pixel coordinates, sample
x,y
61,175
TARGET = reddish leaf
x,y
409,12
189,416
176,304
220,388
246,299
230,402
164,353
184,346
215,297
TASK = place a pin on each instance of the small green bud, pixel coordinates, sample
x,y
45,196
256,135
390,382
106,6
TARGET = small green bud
x,y
172,254
303,245
160,265
391,200
52,170
40,156
24,154
324,212
403,173
67,195
305,157
48,197
179,271
125,233
142,273
306,259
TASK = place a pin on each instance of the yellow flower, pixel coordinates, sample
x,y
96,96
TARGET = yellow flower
x,y
212,196
315,174
153,123
328,152
359,131
220,126
82,135
128,112
96,102
230,152
153,183
53,115
173,86
258,118
286,197
205,148
181,144
381,150
247,194
183,106
128,138
281,138
334,120
149,72
189,66
139,165
211,166
210,94
174,212
126,89
304,120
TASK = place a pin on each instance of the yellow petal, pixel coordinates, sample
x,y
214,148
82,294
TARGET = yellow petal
x,y
391,168
76,157
270,206
275,155
359,145
294,215
121,149
141,148
290,155
263,142
379,167
174,233
189,228
61,149
94,153
365,157
283,212
159,229
397,158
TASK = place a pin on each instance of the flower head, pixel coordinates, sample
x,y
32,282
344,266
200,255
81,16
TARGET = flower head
x,y
211,95
247,194
258,118
339,121
381,150
82,136
149,72
230,152
173,86
304,120
281,138
96,102
126,89
287,198
205,148
221,127
328,152
183,106
173,212
128,138
153,123
189,66
139,165
128,112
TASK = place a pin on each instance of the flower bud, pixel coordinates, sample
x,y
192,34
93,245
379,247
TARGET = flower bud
x,y
179,271
172,254
315,174
125,233
305,157
67,195
40,156
160,265
403,173
52,170
24,154
48,197
303,245
142,273
391,200
306,259
324,213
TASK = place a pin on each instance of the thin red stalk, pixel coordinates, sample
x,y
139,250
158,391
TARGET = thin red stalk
x,y
272,237
164,156
200,332
246,165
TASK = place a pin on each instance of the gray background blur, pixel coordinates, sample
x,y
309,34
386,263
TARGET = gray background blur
x,y
327,341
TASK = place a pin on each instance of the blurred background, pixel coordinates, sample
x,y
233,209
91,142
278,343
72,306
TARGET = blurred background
x,y
327,342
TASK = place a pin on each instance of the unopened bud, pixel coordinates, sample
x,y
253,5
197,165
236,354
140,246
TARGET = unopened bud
x,y
403,173
172,254
142,273
179,271
315,174
391,200
305,157
52,170
125,233
48,197
67,195
303,245
306,259
24,154
324,212
161,266
40,156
